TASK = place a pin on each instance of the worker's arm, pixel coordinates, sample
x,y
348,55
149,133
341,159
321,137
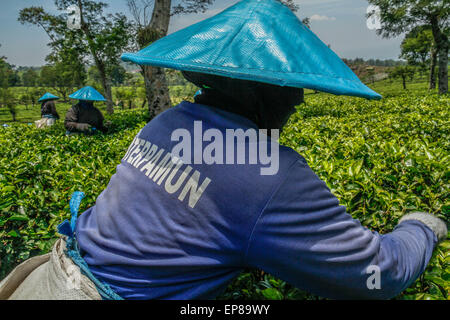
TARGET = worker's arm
x,y
71,121
306,238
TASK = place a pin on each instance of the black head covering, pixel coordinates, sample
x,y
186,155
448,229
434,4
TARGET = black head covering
x,y
268,106
86,104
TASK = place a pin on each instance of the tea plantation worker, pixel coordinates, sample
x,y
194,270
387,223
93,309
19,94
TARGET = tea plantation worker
x,y
49,115
48,107
175,225
84,117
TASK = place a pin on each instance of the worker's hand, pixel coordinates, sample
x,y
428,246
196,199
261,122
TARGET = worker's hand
x,y
108,123
83,127
438,226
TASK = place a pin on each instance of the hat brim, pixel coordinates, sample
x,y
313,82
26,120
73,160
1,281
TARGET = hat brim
x,y
48,99
337,86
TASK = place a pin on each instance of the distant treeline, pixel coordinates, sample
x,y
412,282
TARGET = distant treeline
x,y
18,75
374,62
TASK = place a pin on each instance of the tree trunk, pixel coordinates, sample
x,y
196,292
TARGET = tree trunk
x,y
144,103
443,69
157,90
155,79
106,82
442,48
13,113
404,82
433,62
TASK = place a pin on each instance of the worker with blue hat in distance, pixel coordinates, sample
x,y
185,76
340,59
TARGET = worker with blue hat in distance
x,y
182,224
83,116
48,107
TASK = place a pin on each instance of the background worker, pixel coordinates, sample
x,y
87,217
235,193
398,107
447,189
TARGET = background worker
x,y
83,116
49,115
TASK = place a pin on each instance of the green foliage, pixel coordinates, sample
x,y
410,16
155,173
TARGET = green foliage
x,y
417,45
8,101
5,73
404,73
60,78
30,78
28,109
382,159
40,169
102,38
400,16
126,97
8,75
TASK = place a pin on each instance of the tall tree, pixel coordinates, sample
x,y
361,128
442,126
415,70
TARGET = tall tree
x,y
6,97
152,18
418,49
8,74
70,60
152,23
59,77
404,73
399,16
102,36
30,78
5,70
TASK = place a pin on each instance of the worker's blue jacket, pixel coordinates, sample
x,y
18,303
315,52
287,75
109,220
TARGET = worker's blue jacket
x,y
169,230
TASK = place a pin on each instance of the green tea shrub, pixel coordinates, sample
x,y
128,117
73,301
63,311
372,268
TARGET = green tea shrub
x,y
382,159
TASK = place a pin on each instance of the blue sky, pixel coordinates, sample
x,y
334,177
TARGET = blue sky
x,y
340,23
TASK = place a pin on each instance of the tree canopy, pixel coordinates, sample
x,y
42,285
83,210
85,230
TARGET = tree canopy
x,y
100,40
402,16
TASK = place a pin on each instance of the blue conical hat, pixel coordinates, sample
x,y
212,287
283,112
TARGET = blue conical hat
x,y
88,94
258,40
48,96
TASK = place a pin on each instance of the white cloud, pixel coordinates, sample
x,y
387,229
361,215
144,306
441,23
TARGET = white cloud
x,y
316,17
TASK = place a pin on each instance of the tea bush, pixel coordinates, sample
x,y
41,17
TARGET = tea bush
x,y
381,159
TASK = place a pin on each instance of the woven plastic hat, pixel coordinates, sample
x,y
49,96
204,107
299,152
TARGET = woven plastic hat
x,y
258,40
88,94
48,96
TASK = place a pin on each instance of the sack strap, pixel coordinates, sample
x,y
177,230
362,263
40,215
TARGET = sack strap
x,y
72,250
